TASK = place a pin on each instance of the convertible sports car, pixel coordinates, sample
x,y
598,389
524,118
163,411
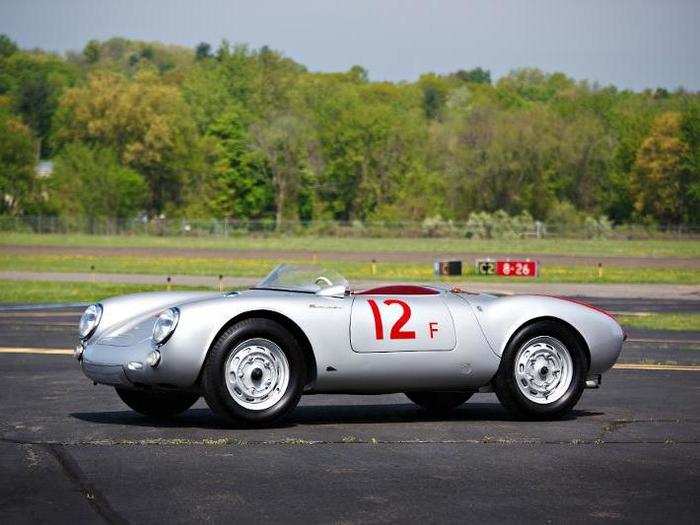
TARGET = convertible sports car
x,y
253,353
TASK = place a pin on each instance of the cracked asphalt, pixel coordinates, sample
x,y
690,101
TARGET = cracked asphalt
x,y
72,452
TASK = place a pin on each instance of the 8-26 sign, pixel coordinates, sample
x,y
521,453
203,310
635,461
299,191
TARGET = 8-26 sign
x,y
508,267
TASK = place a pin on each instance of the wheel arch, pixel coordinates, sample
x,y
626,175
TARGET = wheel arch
x,y
286,322
568,326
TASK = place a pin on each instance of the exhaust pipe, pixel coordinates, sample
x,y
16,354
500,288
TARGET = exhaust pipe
x,y
594,381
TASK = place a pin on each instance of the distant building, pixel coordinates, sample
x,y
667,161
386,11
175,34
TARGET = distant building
x,y
44,169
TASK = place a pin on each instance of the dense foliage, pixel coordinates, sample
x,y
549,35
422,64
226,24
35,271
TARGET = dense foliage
x,y
240,133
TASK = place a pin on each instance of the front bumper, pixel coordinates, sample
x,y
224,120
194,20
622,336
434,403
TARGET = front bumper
x,y
128,366
124,366
106,374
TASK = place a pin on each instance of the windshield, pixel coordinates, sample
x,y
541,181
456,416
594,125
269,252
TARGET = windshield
x,y
310,279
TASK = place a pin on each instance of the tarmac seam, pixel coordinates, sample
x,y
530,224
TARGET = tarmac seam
x,y
76,476
229,442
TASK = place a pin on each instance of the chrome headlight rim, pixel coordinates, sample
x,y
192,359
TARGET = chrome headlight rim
x,y
89,321
164,326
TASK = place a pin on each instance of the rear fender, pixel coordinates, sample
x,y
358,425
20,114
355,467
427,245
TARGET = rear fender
x,y
500,318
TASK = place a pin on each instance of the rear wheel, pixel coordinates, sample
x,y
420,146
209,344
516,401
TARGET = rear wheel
x,y
438,401
542,373
254,372
156,403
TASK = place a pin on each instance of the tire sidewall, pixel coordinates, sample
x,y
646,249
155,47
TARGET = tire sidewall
x,y
216,390
506,382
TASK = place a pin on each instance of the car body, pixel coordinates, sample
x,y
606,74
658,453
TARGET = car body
x,y
397,338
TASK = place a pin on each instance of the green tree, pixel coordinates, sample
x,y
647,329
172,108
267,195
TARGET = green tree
x,y
127,56
92,183
17,161
657,175
359,74
534,85
34,82
501,160
476,75
92,52
202,51
7,46
690,163
286,142
145,121
241,184
206,92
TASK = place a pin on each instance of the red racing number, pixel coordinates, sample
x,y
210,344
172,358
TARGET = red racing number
x,y
396,330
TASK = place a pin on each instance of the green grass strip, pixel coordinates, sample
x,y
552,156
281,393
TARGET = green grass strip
x,y
679,322
353,270
593,247
21,292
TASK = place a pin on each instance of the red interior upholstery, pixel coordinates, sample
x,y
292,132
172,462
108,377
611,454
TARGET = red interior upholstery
x,y
399,289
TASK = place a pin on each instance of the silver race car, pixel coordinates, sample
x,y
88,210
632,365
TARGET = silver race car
x,y
253,353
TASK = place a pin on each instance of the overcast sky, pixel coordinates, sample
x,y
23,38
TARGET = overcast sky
x,y
628,43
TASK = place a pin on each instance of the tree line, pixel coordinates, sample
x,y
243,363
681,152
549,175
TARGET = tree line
x,y
136,128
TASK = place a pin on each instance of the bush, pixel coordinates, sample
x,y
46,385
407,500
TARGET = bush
x,y
499,225
436,227
598,228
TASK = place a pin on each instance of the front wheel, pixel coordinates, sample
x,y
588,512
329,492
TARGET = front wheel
x,y
438,401
542,372
156,403
254,373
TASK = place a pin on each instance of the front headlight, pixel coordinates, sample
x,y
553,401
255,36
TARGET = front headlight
x,y
90,320
165,325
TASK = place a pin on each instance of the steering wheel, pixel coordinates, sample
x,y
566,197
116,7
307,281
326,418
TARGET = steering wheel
x,y
323,280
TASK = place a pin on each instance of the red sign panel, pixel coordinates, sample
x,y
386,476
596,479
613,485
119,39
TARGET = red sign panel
x,y
516,268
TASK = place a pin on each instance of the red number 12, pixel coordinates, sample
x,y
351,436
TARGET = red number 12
x,y
396,332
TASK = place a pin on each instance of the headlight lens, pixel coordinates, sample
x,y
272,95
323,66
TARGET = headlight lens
x,y
90,320
165,325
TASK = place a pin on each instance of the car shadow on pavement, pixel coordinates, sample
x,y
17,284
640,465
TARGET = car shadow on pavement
x,y
311,415
406,413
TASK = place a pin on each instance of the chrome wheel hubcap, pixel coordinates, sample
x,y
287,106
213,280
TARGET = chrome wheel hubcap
x,y
543,370
257,374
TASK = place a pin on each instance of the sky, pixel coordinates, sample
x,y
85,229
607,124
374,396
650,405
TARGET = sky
x,y
632,44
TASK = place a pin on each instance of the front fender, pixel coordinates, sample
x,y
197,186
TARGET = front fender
x,y
121,311
183,355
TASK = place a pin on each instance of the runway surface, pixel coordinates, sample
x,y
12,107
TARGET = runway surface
x,y
71,451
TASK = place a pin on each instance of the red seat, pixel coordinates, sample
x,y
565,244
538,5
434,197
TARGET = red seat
x,y
399,289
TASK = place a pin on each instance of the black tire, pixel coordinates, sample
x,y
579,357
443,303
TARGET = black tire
x,y
157,404
509,393
438,402
216,392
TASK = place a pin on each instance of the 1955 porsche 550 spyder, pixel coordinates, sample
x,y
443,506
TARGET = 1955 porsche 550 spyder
x,y
253,353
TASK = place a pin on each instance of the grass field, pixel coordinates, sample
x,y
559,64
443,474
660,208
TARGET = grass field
x,y
680,322
352,270
22,292
596,247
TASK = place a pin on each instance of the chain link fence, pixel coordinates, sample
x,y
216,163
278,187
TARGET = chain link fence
x,y
494,228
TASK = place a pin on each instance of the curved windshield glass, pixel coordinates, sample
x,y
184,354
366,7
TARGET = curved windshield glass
x,y
310,279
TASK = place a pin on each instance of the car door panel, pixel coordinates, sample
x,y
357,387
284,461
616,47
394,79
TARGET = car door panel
x,y
391,323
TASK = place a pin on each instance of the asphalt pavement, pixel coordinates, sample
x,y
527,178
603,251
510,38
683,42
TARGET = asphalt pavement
x,y
72,452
